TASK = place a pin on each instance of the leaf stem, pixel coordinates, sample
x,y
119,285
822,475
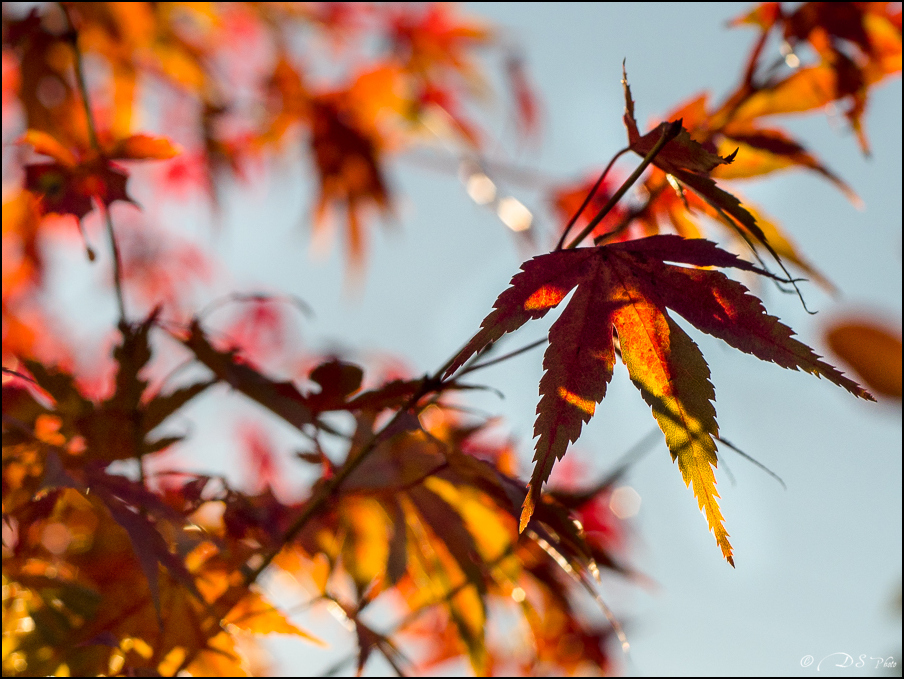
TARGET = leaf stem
x,y
630,217
117,263
499,359
95,144
669,133
590,195
80,78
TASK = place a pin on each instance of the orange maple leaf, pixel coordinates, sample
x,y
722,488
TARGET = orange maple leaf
x,y
858,43
765,150
628,287
432,37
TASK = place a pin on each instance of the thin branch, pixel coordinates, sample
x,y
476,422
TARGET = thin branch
x,y
117,263
243,297
80,78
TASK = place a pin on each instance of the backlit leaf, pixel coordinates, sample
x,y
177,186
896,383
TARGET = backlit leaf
x,y
762,151
628,287
255,614
351,174
681,153
858,45
691,162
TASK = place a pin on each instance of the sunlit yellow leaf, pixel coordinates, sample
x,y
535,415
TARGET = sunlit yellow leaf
x,y
255,614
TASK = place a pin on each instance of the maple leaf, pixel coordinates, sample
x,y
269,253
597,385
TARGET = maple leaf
x,y
687,160
840,32
765,150
117,428
432,37
681,153
368,640
628,287
524,96
754,150
164,405
255,614
289,100
859,45
149,546
348,163
44,56
70,190
76,177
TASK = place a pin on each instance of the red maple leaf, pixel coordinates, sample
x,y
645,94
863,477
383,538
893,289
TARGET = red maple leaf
x,y
628,288
348,162
76,177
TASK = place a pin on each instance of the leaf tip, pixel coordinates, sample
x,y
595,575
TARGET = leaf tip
x,y
527,510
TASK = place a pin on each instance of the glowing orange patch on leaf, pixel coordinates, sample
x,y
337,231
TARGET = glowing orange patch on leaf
x,y
544,298
587,405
